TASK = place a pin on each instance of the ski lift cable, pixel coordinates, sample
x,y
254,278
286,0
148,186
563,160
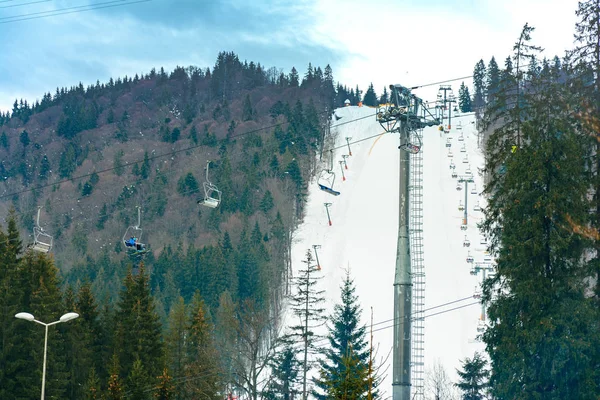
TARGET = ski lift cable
x,y
157,156
425,316
67,10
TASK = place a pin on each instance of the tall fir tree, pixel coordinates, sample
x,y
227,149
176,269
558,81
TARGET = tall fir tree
x,y
473,378
285,374
464,98
492,80
307,304
479,86
138,327
370,98
203,359
539,314
347,357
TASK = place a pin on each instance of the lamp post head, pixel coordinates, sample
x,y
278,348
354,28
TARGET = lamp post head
x,y
68,317
24,315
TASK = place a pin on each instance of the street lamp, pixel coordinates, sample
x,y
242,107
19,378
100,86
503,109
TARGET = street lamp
x,y
30,317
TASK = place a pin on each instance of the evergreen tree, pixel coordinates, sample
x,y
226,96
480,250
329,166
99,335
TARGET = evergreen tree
x,y
370,98
91,391
165,390
139,384
585,60
347,358
294,78
247,111
4,140
266,204
473,378
479,86
138,328
540,316
285,374
493,80
384,96
203,360
175,339
115,385
307,304
464,99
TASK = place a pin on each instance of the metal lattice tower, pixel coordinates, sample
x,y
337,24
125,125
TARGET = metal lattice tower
x,y
417,362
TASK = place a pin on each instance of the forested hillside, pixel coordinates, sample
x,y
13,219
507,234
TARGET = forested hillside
x,y
89,157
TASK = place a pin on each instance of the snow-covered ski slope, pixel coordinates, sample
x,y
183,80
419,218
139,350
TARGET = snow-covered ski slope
x,y
363,234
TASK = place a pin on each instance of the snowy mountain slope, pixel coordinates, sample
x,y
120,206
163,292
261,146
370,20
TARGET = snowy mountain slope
x,y
363,234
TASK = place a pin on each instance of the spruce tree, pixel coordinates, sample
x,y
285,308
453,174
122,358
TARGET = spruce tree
x,y
247,111
307,304
138,328
585,64
175,339
479,86
492,80
540,316
347,357
202,362
464,99
473,381
285,374
115,389
370,98
165,390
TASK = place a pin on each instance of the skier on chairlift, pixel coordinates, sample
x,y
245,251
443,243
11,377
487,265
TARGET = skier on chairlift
x,y
131,242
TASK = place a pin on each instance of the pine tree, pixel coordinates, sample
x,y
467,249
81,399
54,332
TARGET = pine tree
x,y
539,313
493,80
139,384
203,360
138,328
384,96
285,373
473,378
307,305
115,385
247,111
585,60
294,78
479,85
464,99
175,339
345,364
165,390
370,98
91,391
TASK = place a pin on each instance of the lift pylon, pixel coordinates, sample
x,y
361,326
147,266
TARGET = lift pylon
x,y
315,247
406,115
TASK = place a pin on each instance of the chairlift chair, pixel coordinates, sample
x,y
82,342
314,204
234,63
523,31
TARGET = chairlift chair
x,y
448,144
461,207
458,187
42,241
326,178
450,155
466,242
463,227
452,165
461,138
470,258
212,194
454,174
463,149
474,189
480,326
477,207
133,236
465,160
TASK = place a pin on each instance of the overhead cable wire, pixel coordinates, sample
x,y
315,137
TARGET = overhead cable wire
x,y
69,10
25,4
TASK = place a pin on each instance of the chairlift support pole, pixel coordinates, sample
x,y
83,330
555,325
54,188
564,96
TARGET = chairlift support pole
x,y
466,180
404,116
139,218
327,205
37,222
348,143
344,156
342,169
315,247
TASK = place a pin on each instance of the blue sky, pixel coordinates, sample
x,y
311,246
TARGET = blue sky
x,y
403,41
